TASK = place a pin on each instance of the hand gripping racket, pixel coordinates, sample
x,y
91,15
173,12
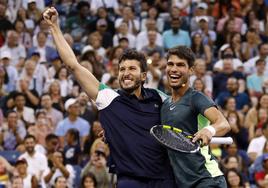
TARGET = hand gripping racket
x,y
179,140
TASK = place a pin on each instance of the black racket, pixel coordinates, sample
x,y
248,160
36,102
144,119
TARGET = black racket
x,y
178,140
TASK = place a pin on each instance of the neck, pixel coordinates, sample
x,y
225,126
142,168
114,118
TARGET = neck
x,y
179,92
72,118
259,73
137,93
31,154
199,74
49,109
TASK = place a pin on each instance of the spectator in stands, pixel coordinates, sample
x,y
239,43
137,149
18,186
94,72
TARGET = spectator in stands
x,y
123,33
200,72
65,82
154,74
256,145
143,38
201,10
88,110
238,132
225,36
18,52
261,176
4,22
94,134
234,179
26,114
11,71
208,36
201,50
89,181
72,150
72,121
256,80
36,74
102,29
111,6
37,162
44,50
55,94
13,132
88,54
102,14
41,128
128,16
31,95
77,25
51,145
58,168
60,182
153,14
54,115
231,15
175,36
33,11
16,182
226,51
29,180
235,44
152,45
242,99
95,40
249,65
220,79
97,164
251,119
250,46
25,38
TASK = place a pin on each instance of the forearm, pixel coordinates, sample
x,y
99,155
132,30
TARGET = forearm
x,y
88,82
64,171
49,176
221,128
34,100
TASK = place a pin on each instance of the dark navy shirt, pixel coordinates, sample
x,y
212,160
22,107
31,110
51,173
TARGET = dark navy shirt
x,y
127,121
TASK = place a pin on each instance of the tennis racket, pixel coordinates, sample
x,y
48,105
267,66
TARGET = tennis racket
x,y
178,140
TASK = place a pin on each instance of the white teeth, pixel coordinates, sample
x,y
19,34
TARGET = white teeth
x,y
174,76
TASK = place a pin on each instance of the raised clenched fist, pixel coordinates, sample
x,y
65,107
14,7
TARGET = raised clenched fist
x,y
51,16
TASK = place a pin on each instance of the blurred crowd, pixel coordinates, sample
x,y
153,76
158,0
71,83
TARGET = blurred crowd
x,y
49,128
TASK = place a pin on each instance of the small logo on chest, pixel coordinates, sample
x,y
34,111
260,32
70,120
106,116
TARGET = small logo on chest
x,y
172,107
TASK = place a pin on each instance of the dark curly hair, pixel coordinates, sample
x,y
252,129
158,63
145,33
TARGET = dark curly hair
x,y
131,54
182,52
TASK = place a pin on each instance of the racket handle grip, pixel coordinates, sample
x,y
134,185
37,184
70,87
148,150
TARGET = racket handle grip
x,y
221,140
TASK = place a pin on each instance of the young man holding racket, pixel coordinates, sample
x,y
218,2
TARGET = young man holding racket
x,y
189,110
126,116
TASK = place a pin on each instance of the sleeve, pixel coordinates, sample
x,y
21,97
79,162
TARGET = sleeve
x,y
188,40
59,129
252,147
105,96
200,102
162,95
86,129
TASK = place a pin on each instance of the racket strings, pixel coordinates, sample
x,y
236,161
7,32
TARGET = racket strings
x,y
174,140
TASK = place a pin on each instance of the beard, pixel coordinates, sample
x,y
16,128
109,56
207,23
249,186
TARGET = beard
x,y
131,89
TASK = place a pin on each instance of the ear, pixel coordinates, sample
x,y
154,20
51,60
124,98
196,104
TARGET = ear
x,y
191,70
143,76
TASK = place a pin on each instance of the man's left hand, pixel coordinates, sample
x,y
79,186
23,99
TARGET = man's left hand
x,y
204,135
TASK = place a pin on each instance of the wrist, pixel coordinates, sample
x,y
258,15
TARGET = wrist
x,y
211,129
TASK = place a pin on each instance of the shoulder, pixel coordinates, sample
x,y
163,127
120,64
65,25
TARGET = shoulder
x,y
83,121
105,96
